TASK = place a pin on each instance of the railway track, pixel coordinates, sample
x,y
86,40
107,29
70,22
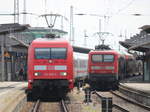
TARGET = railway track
x,y
130,101
35,107
64,106
113,105
40,106
121,103
120,108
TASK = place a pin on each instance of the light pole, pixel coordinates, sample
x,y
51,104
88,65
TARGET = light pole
x,y
3,58
85,37
71,26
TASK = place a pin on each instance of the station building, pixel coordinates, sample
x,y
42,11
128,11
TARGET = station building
x,y
14,42
139,45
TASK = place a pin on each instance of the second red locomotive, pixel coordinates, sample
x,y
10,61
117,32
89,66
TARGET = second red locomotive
x,y
107,67
103,67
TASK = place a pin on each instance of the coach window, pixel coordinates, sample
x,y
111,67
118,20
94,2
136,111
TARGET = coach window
x,y
58,53
42,53
108,58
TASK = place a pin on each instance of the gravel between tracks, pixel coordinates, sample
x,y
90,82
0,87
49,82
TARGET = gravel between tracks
x,y
78,105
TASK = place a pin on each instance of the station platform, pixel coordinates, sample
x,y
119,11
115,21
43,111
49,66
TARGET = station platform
x,y
140,92
11,94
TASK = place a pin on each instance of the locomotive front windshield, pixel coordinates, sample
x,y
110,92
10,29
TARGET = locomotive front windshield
x,y
102,58
50,53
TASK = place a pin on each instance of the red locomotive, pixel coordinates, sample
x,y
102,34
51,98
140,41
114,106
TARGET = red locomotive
x,y
107,67
50,66
103,67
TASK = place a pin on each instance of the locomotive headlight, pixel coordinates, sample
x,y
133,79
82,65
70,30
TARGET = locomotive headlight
x,y
63,73
37,74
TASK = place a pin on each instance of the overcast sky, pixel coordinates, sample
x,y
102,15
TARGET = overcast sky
x,y
118,12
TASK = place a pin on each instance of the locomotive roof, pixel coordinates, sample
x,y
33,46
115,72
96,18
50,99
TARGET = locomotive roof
x,y
104,51
125,55
48,41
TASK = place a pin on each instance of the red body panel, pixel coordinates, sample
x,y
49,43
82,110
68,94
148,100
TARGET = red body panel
x,y
50,64
104,65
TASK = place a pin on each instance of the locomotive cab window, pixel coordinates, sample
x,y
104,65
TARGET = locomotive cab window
x,y
97,58
50,53
102,58
108,58
42,53
58,53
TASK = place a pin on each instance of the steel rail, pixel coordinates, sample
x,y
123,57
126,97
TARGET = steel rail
x,y
64,106
120,108
35,107
131,101
95,92
113,105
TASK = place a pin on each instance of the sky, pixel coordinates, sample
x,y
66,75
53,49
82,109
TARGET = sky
x,y
116,18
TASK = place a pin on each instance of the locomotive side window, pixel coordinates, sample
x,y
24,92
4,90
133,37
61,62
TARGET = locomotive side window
x,y
50,53
108,58
58,53
97,58
42,53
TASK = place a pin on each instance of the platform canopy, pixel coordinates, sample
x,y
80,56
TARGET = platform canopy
x,y
139,42
12,27
39,32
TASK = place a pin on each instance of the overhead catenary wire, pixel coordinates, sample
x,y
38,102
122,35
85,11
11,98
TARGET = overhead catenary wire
x,y
125,7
